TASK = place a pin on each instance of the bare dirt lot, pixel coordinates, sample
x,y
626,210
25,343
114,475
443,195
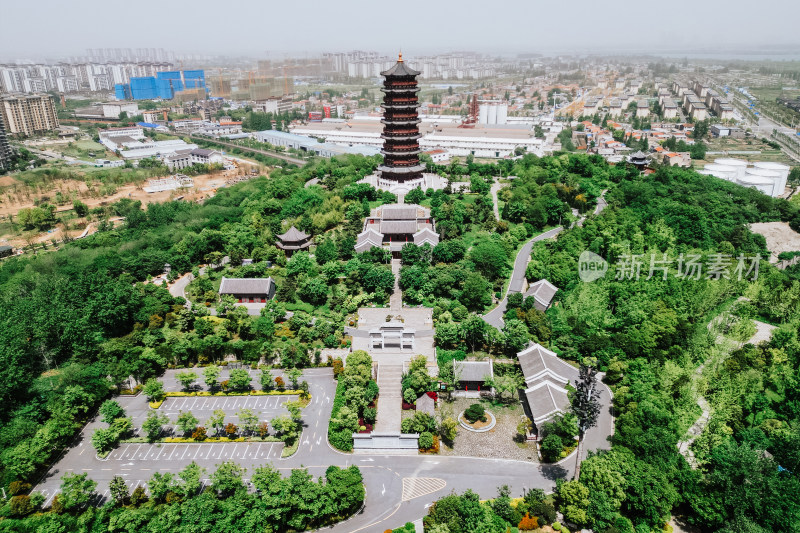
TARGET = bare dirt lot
x,y
205,186
780,237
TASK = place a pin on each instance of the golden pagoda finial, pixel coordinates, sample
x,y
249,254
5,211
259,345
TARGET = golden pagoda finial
x,y
400,58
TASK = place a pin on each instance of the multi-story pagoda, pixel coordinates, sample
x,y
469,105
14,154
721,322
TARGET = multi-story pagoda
x,y
401,125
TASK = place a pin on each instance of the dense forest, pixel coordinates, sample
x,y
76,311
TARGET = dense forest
x,y
650,333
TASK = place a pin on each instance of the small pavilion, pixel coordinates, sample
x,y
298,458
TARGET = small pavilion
x,y
293,240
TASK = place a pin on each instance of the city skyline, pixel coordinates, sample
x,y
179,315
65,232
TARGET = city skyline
x,y
623,26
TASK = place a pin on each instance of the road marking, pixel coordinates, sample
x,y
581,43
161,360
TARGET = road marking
x,y
200,447
233,455
83,450
185,452
414,487
105,469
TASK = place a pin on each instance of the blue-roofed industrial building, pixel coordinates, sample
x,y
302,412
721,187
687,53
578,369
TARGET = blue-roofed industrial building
x,y
122,91
164,85
144,88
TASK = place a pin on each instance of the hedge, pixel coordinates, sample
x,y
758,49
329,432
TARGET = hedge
x,y
189,440
341,440
179,394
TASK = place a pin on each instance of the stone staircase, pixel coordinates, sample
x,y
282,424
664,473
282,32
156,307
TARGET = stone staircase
x,y
390,398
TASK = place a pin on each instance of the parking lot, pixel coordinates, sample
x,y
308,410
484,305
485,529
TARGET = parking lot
x,y
231,405
196,452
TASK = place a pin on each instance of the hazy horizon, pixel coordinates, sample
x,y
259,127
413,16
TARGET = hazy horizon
x,y
260,29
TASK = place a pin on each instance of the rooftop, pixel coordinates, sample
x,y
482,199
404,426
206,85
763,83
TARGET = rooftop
x,y
245,285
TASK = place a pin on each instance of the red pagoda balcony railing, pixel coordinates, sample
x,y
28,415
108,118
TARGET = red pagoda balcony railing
x,y
392,148
392,84
400,116
403,163
398,100
402,132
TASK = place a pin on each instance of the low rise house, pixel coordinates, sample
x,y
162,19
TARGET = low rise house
x,y
472,376
248,290
546,379
543,293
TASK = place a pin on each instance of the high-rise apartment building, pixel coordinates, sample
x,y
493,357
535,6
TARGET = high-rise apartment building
x,y
28,114
5,148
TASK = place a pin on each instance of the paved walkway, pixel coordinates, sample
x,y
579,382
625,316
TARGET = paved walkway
x,y
494,190
396,299
390,397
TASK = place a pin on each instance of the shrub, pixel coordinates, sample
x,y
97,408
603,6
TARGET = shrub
x,y
419,423
551,447
199,433
474,413
21,505
279,384
556,526
545,511
528,522
370,414
425,440
139,496
18,487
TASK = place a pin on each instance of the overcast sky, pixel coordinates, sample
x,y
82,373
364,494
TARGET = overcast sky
x,y
264,28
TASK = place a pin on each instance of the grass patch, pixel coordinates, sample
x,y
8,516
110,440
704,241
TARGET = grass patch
x,y
290,450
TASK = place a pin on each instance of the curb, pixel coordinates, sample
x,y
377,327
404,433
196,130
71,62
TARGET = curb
x,y
491,425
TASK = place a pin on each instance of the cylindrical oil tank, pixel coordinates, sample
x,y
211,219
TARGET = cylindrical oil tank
x,y
771,175
722,171
738,164
780,168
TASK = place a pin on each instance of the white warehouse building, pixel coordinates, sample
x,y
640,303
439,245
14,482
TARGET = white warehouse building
x,y
768,177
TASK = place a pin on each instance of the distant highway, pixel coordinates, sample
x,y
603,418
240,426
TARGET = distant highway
x,y
276,155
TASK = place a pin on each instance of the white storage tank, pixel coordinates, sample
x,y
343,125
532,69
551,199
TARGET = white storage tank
x,y
502,114
763,184
738,164
771,175
483,113
492,119
722,171
780,168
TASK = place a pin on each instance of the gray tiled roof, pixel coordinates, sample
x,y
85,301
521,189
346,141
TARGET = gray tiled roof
x,y
473,370
245,286
293,234
546,400
398,226
400,69
399,212
543,292
539,363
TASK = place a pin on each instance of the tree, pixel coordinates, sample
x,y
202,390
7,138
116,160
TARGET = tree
x,y
266,380
573,498
217,420
190,480
211,376
473,329
286,428
515,333
489,258
239,379
80,208
154,390
152,425
186,379
76,491
248,420
103,439
186,421
586,406
227,479
476,293
110,411
294,376
161,484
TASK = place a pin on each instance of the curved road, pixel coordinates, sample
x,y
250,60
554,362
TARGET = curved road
x,y
495,316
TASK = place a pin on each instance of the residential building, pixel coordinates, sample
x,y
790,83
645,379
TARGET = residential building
x,y
5,148
642,109
179,160
28,114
